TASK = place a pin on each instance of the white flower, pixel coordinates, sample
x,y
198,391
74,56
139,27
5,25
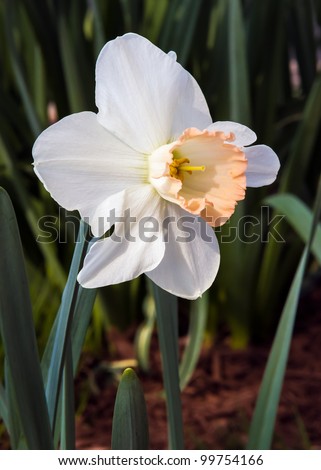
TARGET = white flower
x,y
151,154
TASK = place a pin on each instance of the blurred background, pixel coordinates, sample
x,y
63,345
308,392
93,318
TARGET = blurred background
x,y
257,63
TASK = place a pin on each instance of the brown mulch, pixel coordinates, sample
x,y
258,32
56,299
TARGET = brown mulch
x,y
218,402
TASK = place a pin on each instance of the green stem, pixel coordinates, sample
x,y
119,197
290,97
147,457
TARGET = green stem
x,y
166,313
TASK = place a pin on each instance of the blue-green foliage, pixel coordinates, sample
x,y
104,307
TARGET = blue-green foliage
x,y
256,62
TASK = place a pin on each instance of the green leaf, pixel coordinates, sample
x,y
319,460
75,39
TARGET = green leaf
x,y
262,425
64,324
68,434
145,332
81,319
299,216
154,14
26,203
268,73
99,36
4,407
197,326
292,179
18,335
82,315
44,22
130,13
77,77
130,423
80,322
30,110
179,28
230,86
167,326
239,91
13,423
301,21
301,151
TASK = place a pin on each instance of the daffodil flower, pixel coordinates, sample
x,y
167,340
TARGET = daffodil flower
x,y
150,158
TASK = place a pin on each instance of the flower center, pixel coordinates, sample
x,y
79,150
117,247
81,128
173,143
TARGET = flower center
x,y
180,164
177,172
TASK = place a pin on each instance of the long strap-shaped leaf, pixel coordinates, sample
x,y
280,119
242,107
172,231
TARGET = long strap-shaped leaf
x,y
262,426
80,322
130,423
145,332
81,319
3,406
18,335
197,325
166,313
17,69
178,35
239,98
13,424
299,216
68,438
66,310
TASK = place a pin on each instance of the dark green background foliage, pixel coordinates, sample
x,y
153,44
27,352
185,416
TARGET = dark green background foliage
x,y
256,62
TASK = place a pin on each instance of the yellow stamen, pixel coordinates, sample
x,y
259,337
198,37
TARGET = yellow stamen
x,y
180,164
191,168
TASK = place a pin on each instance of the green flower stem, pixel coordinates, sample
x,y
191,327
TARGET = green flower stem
x,y
166,313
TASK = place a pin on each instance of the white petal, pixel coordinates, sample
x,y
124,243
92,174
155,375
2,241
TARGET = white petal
x,y
81,163
191,259
103,216
134,248
263,166
172,55
243,135
167,187
144,96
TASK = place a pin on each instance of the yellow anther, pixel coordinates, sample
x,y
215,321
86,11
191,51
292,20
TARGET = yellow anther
x,y
174,167
181,164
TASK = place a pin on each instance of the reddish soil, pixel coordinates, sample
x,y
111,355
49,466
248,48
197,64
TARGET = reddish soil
x,y
219,400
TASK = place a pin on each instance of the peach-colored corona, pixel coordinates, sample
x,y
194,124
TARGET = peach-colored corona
x,y
203,172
